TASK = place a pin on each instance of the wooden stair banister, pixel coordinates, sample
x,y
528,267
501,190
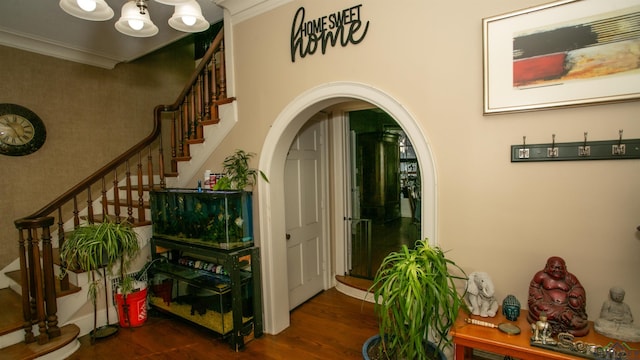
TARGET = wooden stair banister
x,y
197,105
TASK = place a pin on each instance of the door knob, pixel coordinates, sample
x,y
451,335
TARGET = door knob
x,y
288,236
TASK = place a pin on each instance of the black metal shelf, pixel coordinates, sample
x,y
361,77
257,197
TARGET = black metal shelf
x,y
240,276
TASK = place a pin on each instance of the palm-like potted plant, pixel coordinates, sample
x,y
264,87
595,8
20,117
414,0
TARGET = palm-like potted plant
x,y
238,174
95,246
417,302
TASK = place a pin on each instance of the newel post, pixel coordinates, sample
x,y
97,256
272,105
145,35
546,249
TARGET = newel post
x,y
37,279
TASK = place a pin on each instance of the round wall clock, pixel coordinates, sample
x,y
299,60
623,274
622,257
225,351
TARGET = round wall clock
x,y
21,130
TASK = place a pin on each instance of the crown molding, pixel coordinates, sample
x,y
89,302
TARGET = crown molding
x,y
241,10
57,50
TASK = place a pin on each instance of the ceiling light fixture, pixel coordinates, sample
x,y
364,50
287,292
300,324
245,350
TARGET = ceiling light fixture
x,y
94,10
188,17
172,2
135,20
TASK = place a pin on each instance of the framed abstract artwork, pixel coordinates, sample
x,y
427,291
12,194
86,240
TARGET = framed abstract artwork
x,y
565,53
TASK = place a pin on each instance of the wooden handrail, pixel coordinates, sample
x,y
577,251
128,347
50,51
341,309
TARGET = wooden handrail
x,y
195,106
155,133
102,172
217,41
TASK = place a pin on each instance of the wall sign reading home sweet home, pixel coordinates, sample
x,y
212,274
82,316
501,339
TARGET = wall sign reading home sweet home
x,y
344,27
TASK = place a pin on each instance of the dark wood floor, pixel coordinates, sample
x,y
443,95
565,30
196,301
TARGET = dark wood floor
x,y
385,238
389,237
329,326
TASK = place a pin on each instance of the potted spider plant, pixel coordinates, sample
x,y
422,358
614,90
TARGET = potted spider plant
x,y
417,302
238,174
94,246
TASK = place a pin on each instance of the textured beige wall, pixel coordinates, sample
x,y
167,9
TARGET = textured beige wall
x,y
493,215
91,115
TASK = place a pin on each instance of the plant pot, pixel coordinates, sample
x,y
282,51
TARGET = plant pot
x,y
133,312
373,341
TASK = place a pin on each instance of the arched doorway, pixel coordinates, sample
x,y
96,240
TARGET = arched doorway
x,y
271,195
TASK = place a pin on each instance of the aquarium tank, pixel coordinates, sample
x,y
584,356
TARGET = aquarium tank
x,y
220,219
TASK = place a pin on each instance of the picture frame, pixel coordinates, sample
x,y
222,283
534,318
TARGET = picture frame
x,y
564,53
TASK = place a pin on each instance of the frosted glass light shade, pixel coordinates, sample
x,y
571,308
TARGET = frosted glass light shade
x,y
188,17
172,2
102,12
87,5
131,18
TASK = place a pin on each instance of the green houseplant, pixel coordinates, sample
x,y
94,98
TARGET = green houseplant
x,y
416,300
95,246
238,174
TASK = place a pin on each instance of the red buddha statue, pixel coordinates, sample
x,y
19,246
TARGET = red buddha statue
x,y
559,294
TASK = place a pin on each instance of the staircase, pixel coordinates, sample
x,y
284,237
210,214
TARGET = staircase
x,y
41,315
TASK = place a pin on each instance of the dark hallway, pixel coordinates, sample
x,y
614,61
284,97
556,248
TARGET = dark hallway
x,y
385,238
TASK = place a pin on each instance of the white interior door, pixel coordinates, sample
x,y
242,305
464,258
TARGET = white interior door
x,y
304,216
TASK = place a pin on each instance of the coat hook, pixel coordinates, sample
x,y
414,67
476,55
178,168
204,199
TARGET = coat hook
x,y
620,138
584,150
619,149
552,151
523,153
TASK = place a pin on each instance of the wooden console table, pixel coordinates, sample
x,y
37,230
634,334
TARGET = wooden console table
x,y
467,337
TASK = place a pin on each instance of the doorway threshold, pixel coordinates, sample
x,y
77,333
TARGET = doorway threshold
x,y
354,287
